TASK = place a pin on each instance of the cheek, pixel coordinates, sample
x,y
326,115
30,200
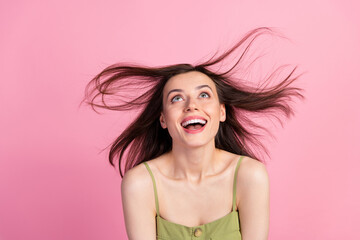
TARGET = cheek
x,y
170,117
214,109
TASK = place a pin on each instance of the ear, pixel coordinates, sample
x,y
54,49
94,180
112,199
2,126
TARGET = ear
x,y
222,113
162,121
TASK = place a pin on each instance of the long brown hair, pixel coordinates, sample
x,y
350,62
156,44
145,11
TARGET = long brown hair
x,y
123,87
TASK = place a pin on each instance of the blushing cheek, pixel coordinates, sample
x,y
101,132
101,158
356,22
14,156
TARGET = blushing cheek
x,y
170,119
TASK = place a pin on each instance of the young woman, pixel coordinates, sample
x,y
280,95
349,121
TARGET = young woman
x,y
190,168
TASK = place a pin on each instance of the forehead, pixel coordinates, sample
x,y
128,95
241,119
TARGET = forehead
x,y
188,81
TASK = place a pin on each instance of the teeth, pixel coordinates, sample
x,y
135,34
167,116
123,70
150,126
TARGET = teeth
x,y
192,121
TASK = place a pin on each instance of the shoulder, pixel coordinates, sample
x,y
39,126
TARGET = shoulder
x,y
252,167
136,181
250,171
253,198
138,203
252,174
139,176
249,168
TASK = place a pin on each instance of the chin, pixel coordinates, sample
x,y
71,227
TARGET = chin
x,y
198,144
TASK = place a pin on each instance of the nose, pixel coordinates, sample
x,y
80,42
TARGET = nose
x,y
191,105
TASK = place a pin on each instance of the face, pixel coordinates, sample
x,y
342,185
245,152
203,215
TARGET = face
x,y
191,109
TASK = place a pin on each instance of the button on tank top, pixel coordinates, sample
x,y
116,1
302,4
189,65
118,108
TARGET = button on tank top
x,y
225,228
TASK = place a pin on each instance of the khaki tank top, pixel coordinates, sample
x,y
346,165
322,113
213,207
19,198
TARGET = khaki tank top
x,y
225,228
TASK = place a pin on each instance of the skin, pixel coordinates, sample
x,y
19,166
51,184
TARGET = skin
x,y
194,180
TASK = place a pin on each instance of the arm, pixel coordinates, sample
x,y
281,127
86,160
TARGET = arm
x,y
254,199
138,204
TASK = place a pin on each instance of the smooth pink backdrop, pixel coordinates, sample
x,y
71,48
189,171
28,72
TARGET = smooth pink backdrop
x,y
55,185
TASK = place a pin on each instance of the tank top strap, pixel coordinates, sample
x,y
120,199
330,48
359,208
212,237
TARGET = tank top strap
x,y
234,185
154,186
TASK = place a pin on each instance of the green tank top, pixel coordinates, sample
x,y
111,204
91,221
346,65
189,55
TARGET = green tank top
x,y
225,228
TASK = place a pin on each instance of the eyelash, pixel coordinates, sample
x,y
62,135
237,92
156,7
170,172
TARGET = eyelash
x,y
208,95
172,100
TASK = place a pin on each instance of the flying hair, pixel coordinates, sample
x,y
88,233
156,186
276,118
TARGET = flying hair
x,y
127,87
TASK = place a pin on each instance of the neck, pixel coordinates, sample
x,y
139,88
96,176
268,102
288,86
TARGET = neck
x,y
194,164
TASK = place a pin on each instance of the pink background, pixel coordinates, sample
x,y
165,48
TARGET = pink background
x,y
55,185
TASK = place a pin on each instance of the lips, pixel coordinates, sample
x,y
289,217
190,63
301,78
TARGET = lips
x,y
193,124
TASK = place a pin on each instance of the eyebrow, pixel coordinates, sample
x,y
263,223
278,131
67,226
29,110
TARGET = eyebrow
x,y
180,90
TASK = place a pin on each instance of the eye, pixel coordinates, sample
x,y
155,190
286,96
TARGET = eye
x,y
177,98
204,95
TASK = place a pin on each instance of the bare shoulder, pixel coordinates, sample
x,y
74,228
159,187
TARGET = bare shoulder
x,y
252,172
136,181
253,199
138,203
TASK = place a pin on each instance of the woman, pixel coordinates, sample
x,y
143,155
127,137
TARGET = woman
x,y
191,172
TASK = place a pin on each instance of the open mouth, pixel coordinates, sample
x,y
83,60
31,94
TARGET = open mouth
x,y
194,124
